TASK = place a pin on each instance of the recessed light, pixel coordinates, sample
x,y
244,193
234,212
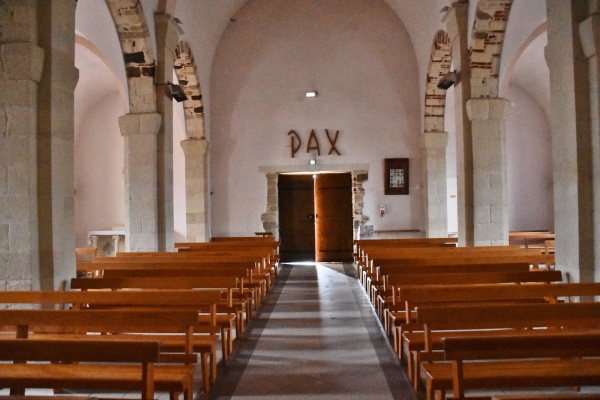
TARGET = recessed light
x,y
311,94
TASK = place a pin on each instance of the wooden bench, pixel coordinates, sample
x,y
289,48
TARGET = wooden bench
x,y
109,365
548,360
203,302
457,257
237,296
406,342
458,278
478,320
381,284
530,239
173,329
261,237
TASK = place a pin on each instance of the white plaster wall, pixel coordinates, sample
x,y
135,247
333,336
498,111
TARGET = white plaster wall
x,y
529,156
99,181
179,201
94,22
357,55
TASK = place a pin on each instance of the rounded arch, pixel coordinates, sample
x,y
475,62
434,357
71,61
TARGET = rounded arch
x,y
187,75
133,34
489,27
536,33
435,98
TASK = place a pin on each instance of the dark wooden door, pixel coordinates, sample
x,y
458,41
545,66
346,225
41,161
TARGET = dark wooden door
x,y
296,218
333,208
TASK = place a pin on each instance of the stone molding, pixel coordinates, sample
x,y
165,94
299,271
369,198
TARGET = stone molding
x,y
140,124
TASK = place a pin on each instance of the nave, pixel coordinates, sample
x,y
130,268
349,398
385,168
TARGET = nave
x,y
315,337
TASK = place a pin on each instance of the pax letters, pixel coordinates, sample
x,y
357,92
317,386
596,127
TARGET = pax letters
x,y
313,142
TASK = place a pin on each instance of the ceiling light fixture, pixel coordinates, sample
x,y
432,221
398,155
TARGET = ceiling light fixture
x,y
312,94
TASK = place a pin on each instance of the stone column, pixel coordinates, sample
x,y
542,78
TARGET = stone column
x,y
195,152
488,123
55,144
270,218
167,38
139,131
457,22
21,65
589,32
434,145
571,139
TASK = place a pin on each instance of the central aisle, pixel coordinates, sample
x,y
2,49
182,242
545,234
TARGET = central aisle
x,y
316,337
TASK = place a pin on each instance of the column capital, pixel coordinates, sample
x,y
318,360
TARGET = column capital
x,y
194,147
589,34
140,124
488,109
434,140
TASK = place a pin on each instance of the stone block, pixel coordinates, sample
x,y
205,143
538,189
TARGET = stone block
x,y
4,240
498,215
478,109
3,180
22,61
18,93
19,237
195,218
18,180
499,109
20,122
22,285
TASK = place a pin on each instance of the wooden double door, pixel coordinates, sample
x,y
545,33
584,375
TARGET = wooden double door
x,y
315,217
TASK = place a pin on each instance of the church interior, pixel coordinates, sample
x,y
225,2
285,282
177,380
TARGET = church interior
x,y
286,174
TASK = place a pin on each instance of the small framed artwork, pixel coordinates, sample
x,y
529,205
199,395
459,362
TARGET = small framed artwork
x,y
396,176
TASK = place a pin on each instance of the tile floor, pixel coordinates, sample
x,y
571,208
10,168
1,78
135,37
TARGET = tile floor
x,y
316,337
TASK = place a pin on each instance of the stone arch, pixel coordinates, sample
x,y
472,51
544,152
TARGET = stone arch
x,y
133,34
187,74
489,28
435,98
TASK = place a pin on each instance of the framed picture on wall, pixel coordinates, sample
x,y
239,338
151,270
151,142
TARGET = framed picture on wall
x,y
396,176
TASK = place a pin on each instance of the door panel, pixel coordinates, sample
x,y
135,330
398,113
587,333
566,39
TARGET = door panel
x,y
334,219
296,218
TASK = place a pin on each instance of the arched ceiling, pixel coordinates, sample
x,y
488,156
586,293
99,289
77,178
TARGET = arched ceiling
x,y
204,21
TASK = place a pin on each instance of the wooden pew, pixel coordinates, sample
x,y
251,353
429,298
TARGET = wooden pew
x,y
530,239
548,360
458,278
236,293
381,286
261,237
174,330
407,341
262,264
362,245
203,302
251,280
480,255
477,320
109,365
